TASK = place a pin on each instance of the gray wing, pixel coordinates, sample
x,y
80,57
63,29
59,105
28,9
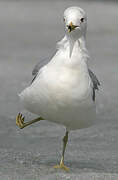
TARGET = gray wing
x,y
95,82
39,65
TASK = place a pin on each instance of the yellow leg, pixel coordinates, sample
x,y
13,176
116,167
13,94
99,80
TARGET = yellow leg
x,y
61,165
20,121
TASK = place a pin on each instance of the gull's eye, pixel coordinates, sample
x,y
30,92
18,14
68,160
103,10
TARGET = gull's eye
x,y
82,19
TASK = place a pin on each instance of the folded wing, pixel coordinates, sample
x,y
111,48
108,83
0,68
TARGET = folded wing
x,y
95,82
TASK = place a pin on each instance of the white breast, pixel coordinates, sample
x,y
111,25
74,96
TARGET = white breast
x,y
62,93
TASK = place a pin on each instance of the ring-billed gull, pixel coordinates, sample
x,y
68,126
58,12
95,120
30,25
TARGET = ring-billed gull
x,y
63,87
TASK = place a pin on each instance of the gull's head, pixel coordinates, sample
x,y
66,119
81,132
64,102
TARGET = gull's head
x,y
75,21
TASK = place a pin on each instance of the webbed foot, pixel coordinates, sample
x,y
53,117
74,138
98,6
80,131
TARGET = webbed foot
x,y
61,166
20,121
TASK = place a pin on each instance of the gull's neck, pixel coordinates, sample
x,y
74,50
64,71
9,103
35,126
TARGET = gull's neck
x,y
81,42
69,43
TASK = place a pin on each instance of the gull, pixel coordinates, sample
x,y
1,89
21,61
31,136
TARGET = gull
x,y
63,87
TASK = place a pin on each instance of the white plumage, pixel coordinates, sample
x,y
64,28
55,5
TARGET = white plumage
x,y
62,90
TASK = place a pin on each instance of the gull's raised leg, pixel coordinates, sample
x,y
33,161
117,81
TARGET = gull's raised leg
x,y
20,121
61,165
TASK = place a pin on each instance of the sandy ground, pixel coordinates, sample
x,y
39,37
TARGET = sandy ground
x,y
29,31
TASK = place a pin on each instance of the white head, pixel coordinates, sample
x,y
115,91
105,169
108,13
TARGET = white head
x,y
75,22
75,25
